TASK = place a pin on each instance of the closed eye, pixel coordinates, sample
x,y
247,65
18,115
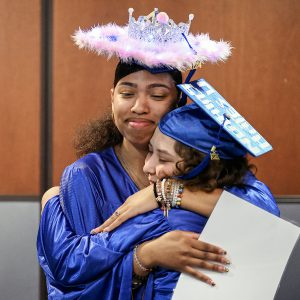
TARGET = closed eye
x,y
163,160
127,95
158,97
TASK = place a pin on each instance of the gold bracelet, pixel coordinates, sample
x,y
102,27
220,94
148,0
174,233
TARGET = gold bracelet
x,y
144,269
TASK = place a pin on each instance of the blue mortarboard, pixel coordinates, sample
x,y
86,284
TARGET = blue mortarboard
x,y
212,126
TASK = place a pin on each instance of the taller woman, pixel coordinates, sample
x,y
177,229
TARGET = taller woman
x,y
153,51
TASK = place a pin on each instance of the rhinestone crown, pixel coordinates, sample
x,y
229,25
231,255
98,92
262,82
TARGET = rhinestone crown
x,y
157,27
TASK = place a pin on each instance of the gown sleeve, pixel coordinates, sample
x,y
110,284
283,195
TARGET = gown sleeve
x,y
82,198
257,193
91,265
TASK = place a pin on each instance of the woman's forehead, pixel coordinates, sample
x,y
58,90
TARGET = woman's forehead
x,y
161,140
145,78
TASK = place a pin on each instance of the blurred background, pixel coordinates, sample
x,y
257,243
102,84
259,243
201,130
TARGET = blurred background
x,y
48,88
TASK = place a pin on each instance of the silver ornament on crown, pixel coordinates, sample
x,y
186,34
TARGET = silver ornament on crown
x,y
157,27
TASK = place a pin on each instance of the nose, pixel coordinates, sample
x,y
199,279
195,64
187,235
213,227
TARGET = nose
x,y
149,167
141,105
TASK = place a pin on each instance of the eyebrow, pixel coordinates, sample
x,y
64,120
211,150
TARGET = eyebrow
x,y
164,152
150,86
128,84
154,85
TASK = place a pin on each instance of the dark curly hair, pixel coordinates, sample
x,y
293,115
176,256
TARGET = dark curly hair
x,y
97,135
102,133
218,173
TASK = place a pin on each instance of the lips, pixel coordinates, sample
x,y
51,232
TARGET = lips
x,y
139,123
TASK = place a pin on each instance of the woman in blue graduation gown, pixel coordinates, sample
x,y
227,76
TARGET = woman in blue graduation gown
x,y
83,266
79,265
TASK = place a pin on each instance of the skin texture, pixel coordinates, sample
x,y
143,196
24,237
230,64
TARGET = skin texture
x,y
139,100
161,159
160,163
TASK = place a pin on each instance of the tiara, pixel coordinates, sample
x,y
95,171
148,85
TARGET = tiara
x,y
157,27
154,41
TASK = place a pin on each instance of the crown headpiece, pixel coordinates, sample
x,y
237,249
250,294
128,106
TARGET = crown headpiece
x,y
154,41
157,27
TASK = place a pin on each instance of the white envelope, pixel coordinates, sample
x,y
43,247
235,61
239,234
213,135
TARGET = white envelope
x,y
258,244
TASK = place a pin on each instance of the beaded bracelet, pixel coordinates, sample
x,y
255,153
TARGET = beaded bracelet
x,y
140,265
158,195
177,194
168,194
166,200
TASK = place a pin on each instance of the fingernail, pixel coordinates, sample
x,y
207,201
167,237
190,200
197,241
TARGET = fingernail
x,y
93,232
212,283
226,261
226,269
105,229
224,252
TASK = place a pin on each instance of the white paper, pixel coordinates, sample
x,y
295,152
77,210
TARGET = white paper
x,y
258,245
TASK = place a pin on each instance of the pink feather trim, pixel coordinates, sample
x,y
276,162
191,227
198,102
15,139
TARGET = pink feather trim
x,y
112,40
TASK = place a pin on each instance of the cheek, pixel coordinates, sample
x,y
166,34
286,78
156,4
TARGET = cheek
x,y
147,165
162,108
120,109
165,171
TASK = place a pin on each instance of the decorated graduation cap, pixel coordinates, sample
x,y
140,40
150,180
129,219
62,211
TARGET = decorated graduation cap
x,y
212,126
155,42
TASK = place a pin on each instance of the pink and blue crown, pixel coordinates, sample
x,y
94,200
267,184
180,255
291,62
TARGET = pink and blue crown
x,y
153,41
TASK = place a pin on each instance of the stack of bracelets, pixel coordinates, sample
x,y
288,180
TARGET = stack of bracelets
x,y
168,194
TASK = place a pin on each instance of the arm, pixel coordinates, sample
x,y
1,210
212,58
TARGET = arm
x,y
70,258
67,253
182,251
253,191
143,201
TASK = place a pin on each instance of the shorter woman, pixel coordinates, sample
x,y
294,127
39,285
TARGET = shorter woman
x,y
191,146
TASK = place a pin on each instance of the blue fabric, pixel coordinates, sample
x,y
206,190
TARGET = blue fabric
x,y
192,126
81,266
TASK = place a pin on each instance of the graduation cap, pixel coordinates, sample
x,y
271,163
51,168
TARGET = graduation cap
x,y
212,126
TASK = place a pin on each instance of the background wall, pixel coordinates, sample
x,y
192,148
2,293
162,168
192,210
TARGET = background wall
x,y
260,79
48,88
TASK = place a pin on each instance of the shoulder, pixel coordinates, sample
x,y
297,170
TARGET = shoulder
x,y
257,193
94,162
52,192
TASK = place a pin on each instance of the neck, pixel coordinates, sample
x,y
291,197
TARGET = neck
x,y
132,158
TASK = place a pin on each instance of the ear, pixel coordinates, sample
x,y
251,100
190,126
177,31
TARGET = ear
x,y
112,95
112,100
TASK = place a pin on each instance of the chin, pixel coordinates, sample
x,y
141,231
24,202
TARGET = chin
x,y
141,144
140,141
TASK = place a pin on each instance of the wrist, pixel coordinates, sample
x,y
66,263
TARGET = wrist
x,y
168,193
146,254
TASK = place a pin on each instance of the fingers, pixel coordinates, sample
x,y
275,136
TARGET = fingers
x,y
203,255
108,222
203,246
204,265
194,262
200,245
122,214
202,277
120,219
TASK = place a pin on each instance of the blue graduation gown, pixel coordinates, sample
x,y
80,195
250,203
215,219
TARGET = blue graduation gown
x,y
78,265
